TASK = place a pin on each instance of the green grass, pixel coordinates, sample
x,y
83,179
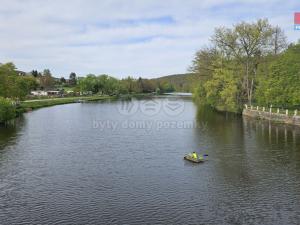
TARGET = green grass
x,y
40,103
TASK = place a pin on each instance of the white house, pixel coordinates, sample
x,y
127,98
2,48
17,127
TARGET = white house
x,y
39,93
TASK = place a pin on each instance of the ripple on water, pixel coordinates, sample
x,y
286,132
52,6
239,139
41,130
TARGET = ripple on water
x,y
55,168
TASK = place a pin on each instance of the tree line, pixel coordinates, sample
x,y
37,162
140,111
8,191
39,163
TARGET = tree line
x,y
105,84
16,86
250,63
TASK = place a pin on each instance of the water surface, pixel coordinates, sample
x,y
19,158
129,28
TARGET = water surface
x,y
94,163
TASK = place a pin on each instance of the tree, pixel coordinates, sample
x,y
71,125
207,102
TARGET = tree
x,y
7,110
89,83
203,64
72,79
148,86
278,42
62,80
14,86
46,81
229,69
246,43
111,86
34,73
8,76
103,84
47,72
129,85
24,86
279,84
222,90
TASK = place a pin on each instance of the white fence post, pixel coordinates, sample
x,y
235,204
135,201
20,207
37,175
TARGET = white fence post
x,y
296,112
264,109
287,112
277,110
251,107
246,106
257,108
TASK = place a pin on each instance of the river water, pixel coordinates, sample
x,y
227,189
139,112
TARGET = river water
x,y
118,162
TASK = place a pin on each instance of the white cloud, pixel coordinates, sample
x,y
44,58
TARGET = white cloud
x,y
139,38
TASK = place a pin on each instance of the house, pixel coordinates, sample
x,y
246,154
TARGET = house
x,y
39,93
21,73
46,93
54,93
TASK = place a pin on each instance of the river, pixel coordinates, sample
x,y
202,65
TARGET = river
x,y
116,162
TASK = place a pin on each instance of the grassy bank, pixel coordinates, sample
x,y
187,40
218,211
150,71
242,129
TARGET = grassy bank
x,y
41,103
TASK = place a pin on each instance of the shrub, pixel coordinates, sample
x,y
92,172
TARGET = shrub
x,y
7,110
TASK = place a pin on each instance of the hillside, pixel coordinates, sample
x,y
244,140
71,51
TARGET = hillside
x,y
181,82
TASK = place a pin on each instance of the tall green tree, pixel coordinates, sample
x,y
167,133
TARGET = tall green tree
x,y
46,80
246,43
233,61
72,79
279,84
14,86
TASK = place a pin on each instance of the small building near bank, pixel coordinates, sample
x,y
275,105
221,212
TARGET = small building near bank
x,y
39,93
54,93
46,93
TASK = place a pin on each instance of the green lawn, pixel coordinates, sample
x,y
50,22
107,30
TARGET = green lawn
x,y
40,103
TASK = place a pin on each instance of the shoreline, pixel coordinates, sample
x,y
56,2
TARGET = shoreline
x,y
282,117
30,105
273,117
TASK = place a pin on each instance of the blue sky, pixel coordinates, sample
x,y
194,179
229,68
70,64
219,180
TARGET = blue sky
x,y
147,38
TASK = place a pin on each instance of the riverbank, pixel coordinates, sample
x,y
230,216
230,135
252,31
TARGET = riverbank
x,y
288,117
29,105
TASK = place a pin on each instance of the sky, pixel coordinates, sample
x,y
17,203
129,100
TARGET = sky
x,y
147,38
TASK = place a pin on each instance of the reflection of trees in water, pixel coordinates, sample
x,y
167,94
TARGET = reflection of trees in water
x,y
225,127
272,134
228,128
250,155
229,145
277,148
277,142
9,132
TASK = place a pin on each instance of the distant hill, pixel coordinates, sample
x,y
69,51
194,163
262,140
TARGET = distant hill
x,y
181,82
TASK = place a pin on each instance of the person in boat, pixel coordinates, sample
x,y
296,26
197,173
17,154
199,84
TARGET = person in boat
x,y
195,155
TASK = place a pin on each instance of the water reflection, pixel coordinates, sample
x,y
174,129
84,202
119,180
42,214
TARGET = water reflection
x,y
257,165
59,169
271,133
232,128
9,132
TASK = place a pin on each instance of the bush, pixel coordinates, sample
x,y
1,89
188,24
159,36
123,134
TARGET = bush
x,y
7,110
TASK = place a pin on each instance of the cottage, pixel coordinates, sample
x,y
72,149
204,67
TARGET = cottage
x,y
53,93
39,93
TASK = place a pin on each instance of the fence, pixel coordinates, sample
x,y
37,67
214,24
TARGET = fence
x,y
273,110
273,114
